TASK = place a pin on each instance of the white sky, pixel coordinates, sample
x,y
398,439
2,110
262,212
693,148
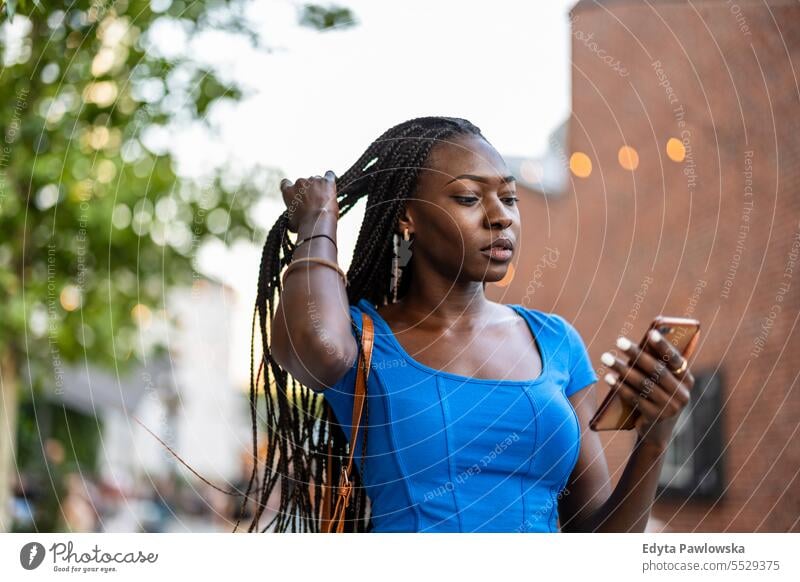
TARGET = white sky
x,y
320,99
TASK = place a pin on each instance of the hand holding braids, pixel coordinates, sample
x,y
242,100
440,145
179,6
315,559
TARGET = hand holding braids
x,y
297,419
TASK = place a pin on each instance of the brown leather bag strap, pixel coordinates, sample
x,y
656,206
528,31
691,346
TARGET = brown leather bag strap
x,y
345,485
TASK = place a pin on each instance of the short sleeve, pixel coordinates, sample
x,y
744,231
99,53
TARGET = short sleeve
x,y
581,372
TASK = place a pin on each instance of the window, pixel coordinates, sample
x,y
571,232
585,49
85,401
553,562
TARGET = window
x,y
693,462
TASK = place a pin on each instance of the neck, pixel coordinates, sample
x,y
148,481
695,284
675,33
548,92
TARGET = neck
x,y
445,304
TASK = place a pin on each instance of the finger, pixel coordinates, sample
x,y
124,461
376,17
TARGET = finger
x,y
627,396
330,175
674,360
631,397
664,405
285,183
656,369
301,186
642,384
665,350
648,409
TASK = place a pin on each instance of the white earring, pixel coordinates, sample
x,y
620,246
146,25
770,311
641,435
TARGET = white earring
x,y
401,255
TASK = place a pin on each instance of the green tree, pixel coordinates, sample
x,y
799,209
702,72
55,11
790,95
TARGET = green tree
x,y
95,226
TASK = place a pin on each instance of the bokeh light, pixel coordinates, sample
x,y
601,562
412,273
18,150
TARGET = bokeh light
x,y
580,165
675,150
628,158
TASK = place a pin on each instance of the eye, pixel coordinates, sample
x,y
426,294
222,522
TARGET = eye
x,y
510,195
466,200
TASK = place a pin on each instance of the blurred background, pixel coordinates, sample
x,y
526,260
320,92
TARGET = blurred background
x,y
656,149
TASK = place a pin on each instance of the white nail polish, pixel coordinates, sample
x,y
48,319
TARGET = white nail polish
x,y
623,343
610,378
607,359
655,335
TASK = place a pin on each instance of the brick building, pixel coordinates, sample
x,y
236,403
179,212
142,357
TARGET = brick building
x,y
684,199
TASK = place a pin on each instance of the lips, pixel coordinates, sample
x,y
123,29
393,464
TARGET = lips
x,y
501,243
502,249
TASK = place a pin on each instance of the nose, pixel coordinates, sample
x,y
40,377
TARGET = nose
x,y
496,214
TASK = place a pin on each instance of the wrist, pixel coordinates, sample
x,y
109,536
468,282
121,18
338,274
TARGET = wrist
x,y
654,444
659,434
321,221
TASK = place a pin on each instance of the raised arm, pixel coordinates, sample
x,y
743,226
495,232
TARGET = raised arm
x,y
310,333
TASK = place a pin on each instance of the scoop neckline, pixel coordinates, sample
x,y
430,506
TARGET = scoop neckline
x,y
543,353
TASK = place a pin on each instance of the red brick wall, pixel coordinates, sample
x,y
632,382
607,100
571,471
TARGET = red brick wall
x,y
667,230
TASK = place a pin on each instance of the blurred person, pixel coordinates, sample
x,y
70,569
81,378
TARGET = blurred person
x,y
78,513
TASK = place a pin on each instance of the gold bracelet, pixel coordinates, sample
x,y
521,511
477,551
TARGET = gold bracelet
x,y
319,260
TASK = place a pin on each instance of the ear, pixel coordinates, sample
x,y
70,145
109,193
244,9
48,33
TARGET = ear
x,y
405,221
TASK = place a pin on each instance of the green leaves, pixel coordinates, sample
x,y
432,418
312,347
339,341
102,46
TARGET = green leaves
x,y
11,8
325,18
8,8
97,227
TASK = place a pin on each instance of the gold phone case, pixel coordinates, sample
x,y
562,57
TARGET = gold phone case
x,y
614,413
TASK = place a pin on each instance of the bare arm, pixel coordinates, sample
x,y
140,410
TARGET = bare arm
x,y
652,384
589,485
311,336
590,505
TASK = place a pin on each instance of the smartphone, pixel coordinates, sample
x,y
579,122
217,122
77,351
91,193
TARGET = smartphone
x,y
614,413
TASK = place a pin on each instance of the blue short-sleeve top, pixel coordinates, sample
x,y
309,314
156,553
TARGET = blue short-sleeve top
x,y
451,453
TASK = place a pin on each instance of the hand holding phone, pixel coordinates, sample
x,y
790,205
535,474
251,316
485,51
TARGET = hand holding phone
x,y
616,414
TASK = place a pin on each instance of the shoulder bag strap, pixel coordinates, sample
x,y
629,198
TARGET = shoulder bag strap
x,y
336,521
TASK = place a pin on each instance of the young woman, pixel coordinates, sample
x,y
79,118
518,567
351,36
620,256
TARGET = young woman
x,y
477,412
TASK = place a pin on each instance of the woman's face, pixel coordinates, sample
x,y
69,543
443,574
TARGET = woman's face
x,y
465,200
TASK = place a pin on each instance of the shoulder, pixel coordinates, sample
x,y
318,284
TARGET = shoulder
x,y
570,331
552,322
359,311
559,328
566,325
557,321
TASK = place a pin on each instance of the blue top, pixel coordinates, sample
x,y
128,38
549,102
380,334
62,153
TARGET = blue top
x,y
450,453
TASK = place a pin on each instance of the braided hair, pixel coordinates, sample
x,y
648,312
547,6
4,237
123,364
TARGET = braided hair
x,y
299,420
